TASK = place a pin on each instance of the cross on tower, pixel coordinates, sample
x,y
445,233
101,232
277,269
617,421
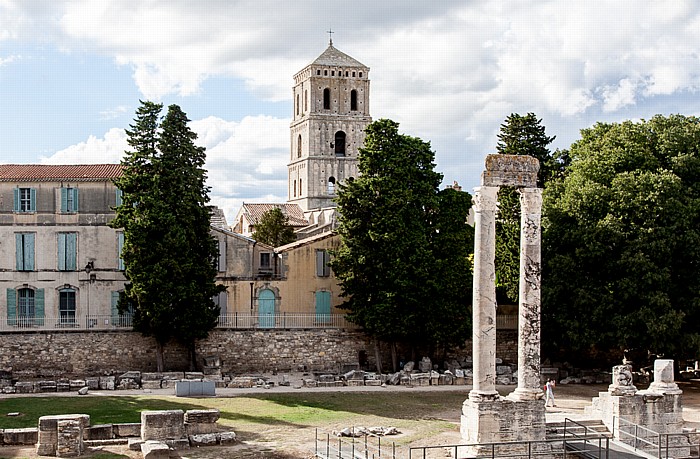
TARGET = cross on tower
x,y
330,37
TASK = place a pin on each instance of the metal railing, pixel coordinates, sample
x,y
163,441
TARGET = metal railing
x,y
651,442
584,444
364,447
503,450
225,321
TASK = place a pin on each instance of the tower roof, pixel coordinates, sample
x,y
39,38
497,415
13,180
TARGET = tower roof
x,y
333,57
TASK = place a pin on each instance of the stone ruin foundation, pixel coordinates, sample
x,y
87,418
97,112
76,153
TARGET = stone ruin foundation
x,y
486,416
658,408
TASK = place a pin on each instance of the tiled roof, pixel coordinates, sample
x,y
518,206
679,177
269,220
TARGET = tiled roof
x,y
333,57
50,172
218,219
292,211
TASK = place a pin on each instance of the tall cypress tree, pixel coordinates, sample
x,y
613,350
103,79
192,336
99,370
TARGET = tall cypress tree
x,y
169,252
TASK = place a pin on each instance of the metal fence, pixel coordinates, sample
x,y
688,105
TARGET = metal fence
x,y
659,445
124,322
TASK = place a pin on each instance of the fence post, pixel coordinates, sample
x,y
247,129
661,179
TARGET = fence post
x,y
328,445
340,447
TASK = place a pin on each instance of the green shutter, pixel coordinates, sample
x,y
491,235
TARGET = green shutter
x,y
75,200
15,201
120,247
32,200
71,251
39,306
11,306
323,306
118,198
64,200
61,251
19,252
115,309
28,251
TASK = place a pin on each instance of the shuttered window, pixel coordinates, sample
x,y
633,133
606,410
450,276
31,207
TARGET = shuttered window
x,y
24,250
120,247
24,200
67,251
69,200
322,259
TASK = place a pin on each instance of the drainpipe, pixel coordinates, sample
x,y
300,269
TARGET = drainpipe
x,y
252,274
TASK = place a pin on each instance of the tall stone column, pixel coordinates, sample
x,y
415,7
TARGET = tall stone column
x,y
484,295
529,387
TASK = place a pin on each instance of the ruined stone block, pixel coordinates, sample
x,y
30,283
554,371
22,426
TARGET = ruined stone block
x,y
100,432
194,375
135,443
179,444
241,382
202,416
70,438
27,436
162,425
76,384
208,439
154,450
355,382
227,438
373,382
510,170
150,384
62,387
92,383
45,386
107,382
132,429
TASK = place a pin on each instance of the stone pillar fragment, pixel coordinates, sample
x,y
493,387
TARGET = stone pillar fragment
x,y
622,383
529,387
664,382
484,295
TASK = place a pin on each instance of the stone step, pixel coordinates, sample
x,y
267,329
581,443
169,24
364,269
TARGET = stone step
x,y
108,442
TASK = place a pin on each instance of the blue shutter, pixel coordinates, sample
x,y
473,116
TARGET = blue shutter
x,y
120,247
32,200
118,199
19,252
71,251
115,309
222,255
39,306
11,306
64,200
15,201
323,306
62,251
75,200
28,251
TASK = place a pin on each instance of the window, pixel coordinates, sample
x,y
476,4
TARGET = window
x,y
67,251
326,99
331,185
332,72
360,74
295,188
24,200
299,187
306,100
340,143
66,306
322,259
121,319
353,100
24,246
25,307
265,261
118,197
325,73
297,104
222,255
69,199
120,247
299,146
221,300
318,72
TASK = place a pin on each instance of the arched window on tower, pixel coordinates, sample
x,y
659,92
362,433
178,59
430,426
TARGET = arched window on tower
x,y
340,143
299,146
327,99
331,186
306,100
295,188
353,100
299,187
297,104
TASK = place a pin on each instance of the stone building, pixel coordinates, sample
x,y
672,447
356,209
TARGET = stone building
x,y
59,261
249,215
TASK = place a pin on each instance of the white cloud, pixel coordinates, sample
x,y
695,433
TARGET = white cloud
x,y
108,149
111,114
8,60
619,96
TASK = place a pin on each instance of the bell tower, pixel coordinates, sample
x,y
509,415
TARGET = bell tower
x,y
331,111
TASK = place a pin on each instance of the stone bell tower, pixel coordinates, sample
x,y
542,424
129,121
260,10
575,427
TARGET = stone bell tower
x,y
331,111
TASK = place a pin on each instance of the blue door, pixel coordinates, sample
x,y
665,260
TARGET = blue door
x,y
323,307
266,308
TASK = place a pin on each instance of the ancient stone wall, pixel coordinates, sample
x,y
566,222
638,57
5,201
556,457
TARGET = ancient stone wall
x,y
48,355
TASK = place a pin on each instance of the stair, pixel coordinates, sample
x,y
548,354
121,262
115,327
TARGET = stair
x,y
594,427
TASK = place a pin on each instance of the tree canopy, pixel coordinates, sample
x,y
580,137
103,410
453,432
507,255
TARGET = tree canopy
x,y
621,240
274,229
519,135
168,251
403,262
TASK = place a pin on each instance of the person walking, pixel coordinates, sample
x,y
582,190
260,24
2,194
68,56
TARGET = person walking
x,y
549,392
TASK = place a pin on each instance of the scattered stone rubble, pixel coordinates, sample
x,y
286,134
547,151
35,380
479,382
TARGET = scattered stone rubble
x,y
364,431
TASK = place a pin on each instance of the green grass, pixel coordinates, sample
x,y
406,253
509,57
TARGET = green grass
x,y
303,409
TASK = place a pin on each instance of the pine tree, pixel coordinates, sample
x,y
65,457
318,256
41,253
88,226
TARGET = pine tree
x,y
168,250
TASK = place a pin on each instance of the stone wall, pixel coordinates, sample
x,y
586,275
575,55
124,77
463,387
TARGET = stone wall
x,y
38,355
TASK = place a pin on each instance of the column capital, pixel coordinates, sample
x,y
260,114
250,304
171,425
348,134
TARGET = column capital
x,y
485,198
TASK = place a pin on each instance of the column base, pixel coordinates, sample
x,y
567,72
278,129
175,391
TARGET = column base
x,y
522,394
483,395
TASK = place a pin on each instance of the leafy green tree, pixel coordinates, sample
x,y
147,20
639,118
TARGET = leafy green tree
x,y
520,135
622,240
274,229
386,264
168,250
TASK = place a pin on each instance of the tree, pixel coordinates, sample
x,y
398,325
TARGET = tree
x,y
386,264
520,135
169,253
622,240
274,229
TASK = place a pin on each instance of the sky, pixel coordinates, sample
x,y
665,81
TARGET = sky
x,y
72,74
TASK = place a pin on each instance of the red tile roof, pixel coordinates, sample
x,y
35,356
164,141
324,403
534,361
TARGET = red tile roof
x,y
47,173
292,211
